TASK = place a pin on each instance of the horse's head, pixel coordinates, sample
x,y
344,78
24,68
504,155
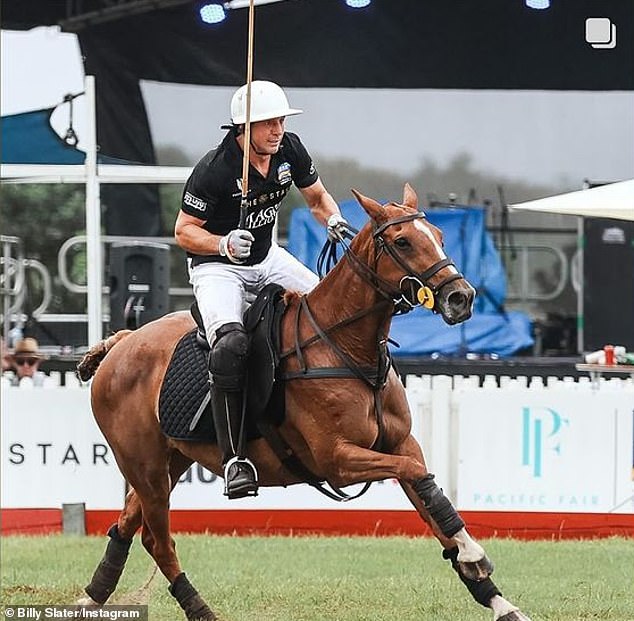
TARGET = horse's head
x,y
410,257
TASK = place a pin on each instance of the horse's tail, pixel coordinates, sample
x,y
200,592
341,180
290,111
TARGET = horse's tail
x,y
87,366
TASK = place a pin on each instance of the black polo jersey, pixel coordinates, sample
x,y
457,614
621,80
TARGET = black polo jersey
x,y
213,192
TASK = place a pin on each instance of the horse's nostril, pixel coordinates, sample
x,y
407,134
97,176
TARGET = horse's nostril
x,y
458,301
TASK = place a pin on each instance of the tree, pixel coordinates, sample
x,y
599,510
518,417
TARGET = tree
x,y
43,217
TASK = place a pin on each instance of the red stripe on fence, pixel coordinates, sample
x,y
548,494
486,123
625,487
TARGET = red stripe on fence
x,y
481,524
520,525
30,521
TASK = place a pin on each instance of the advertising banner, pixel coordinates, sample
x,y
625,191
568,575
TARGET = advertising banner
x,y
52,451
551,450
559,449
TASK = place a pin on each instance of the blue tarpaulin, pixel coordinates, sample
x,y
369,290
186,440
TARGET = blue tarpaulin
x,y
491,330
28,138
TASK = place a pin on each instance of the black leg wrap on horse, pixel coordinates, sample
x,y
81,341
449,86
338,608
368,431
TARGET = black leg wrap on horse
x,y
438,505
189,599
482,591
104,580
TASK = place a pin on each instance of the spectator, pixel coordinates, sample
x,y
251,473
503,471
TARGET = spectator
x,y
25,362
7,364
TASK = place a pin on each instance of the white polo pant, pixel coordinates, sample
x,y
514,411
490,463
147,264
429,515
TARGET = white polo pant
x,y
224,292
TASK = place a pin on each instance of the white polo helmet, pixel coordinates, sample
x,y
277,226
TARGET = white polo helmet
x,y
268,101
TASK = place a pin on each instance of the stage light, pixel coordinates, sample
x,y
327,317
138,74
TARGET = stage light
x,y
538,4
212,13
358,4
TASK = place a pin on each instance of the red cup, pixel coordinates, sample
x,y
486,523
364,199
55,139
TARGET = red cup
x,y
609,355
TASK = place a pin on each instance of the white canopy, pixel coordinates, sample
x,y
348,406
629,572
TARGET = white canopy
x,y
614,200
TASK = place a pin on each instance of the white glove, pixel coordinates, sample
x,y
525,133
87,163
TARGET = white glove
x,y
236,245
337,227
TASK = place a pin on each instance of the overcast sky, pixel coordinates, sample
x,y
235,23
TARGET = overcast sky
x,y
559,138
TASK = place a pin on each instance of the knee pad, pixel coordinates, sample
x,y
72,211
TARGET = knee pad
x,y
228,356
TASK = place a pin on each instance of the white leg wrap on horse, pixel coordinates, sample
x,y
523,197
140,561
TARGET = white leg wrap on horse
x,y
87,602
505,611
501,607
468,550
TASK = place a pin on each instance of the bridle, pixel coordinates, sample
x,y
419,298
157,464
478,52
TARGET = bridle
x,y
420,293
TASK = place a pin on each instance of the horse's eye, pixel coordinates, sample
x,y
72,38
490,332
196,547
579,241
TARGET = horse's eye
x,y
401,242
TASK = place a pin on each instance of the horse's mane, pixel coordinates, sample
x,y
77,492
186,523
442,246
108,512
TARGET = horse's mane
x,y
291,297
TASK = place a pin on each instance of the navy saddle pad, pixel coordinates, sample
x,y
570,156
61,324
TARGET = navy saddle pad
x,y
184,388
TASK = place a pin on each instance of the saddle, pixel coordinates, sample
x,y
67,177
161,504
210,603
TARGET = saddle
x,y
184,401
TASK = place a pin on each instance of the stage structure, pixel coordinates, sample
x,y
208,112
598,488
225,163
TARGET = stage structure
x,y
319,43
605,303
409,44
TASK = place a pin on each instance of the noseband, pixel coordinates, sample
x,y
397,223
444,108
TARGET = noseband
x,y
421,291
426,293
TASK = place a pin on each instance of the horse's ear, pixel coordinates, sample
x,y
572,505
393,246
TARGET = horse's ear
x,y
409,197
372,207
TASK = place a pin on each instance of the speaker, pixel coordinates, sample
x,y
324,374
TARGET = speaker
x,y
608,283
139,283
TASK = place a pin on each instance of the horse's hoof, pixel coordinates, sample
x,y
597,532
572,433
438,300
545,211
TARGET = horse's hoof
x,y
515,615
478,570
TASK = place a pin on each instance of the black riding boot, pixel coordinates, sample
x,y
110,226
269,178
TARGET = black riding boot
x,y
241,477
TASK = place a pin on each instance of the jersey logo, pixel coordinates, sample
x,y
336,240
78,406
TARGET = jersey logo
x,y
195,202
284,173
262,218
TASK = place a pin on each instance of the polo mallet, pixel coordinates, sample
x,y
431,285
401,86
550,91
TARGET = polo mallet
x,y
244,206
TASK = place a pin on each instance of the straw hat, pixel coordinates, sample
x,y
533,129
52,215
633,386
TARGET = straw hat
x,y
27,347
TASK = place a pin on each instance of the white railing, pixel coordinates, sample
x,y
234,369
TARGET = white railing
x,y
520,446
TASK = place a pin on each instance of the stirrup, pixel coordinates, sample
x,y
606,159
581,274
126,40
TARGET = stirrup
x,y
243,480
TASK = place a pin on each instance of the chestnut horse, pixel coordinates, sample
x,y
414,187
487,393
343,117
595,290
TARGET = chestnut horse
x,y
345,424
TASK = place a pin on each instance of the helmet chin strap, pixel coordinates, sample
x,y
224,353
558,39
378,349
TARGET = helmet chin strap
x,y
255,150
253,147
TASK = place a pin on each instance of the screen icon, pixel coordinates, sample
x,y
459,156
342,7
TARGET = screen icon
x,y
601,33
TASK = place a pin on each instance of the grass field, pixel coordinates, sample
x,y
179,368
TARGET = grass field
x,y
335,579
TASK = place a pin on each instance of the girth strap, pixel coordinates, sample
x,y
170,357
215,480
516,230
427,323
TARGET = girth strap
x,y
334,372
292,463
